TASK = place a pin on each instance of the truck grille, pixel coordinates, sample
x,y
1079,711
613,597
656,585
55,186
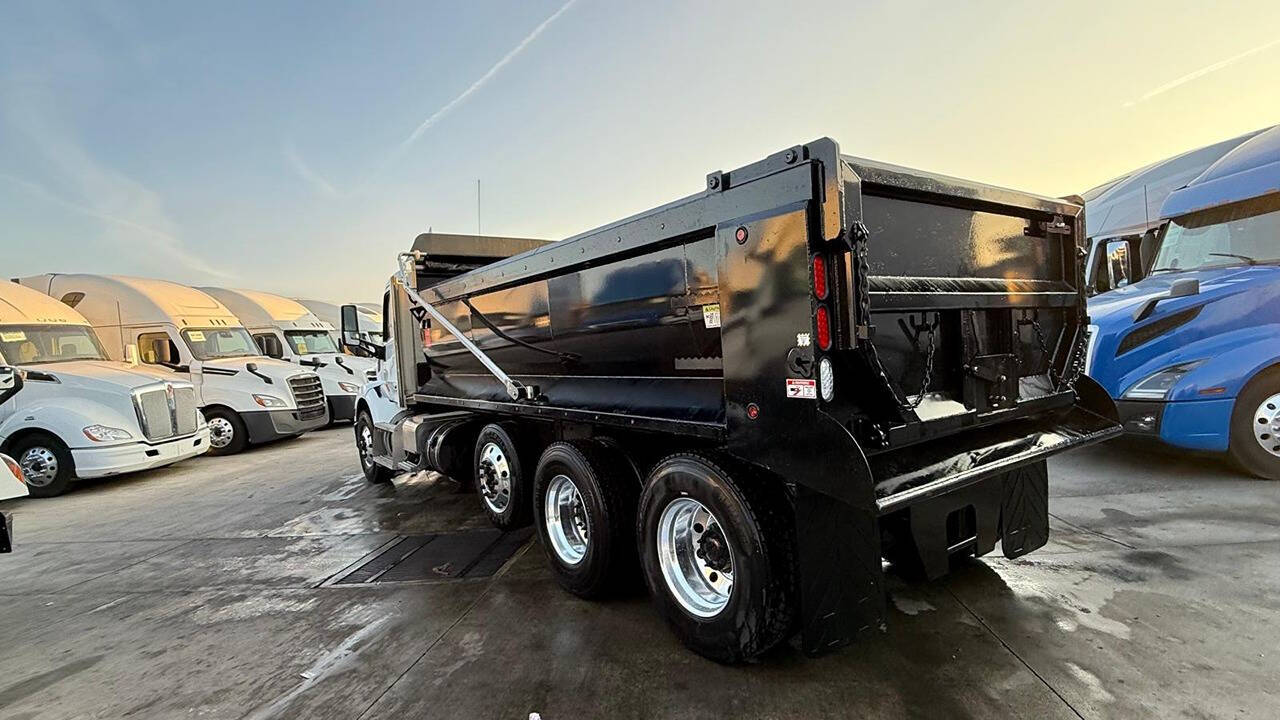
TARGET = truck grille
x,y
153,411
166,411
308,395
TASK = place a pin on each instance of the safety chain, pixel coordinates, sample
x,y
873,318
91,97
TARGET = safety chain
x,y
928,366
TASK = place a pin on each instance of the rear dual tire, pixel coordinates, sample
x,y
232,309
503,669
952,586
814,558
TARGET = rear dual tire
x,y
697,521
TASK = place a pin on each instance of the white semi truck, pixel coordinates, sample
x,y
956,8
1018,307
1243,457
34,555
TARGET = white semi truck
x,y
370,322
246,396
82,415
12,484
286,330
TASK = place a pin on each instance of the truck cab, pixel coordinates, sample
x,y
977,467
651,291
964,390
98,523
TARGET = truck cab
x,y
248,398
285,330
12,484
1191,353
370,322
82,414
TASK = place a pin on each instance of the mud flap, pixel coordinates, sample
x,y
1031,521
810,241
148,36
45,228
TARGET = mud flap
x,y
1024,510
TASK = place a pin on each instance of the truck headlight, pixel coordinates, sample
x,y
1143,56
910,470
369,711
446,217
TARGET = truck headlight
x,y
1157,385
102,433
348,387
270,401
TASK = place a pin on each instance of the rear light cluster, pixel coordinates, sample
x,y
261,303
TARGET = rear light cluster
x,y
822,316
822,323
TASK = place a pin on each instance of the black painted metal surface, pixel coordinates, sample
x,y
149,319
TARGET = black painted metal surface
x,y
956,319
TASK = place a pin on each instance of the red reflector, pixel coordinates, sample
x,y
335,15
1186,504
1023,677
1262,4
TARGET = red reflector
x,y
823,321
819,277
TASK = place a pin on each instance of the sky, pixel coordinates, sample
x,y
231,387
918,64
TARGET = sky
x,y
296,147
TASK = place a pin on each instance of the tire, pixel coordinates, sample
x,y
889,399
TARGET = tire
x,y
1260,400
601,484
223,421
754,519
364,430
506,494
46,464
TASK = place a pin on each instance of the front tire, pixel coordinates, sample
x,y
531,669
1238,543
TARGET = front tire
x,y
1255,426
718,555
505,492
227,434
46,464
373,472
584,505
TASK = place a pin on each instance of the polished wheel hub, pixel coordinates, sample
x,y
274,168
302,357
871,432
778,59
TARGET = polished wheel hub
x,y
221,432
39,466
495,478
365,444
695,557
566,517
1266,424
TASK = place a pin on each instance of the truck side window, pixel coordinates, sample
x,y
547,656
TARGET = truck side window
x,y
156,349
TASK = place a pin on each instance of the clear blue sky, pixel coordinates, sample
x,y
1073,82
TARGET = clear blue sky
x,y
296,146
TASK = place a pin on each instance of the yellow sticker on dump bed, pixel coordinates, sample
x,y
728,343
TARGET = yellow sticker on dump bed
x,y
13,336
711,315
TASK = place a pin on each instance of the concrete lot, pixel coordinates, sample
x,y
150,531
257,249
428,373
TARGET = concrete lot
x,y
200,591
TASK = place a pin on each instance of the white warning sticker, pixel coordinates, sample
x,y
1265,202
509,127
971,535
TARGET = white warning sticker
x,y
803,389
711,315
13,336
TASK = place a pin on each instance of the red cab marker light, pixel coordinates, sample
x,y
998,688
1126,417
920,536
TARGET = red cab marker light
x,y
753,411
741,234
823,320
819,277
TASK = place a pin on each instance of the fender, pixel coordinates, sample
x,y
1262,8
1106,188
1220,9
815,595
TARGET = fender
x,y
1234,359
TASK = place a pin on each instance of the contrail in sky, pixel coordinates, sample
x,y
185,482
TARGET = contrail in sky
x,y
1202,72
426,124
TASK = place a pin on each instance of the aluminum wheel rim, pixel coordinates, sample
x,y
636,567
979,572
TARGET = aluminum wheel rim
x,y
567,518
365,444
39,466
695,557
495,478
1266,425
221,432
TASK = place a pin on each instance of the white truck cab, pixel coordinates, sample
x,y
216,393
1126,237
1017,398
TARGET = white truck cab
x,y
286,330
12,484
246,396
370,323
81,414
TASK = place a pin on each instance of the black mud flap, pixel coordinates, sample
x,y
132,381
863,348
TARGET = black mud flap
x,y
1024,510
6,530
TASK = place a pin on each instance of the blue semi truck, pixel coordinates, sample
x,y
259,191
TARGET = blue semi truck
x,y
1191,353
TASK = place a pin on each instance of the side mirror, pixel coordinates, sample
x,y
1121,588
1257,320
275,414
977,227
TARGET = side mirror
x,y
1184,287
272,347
10,382
1119,264
163,350
350,325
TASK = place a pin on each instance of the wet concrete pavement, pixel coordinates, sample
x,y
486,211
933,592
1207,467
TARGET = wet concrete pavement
x,y
208,590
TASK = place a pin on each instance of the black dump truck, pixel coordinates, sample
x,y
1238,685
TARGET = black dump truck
x,y
754,396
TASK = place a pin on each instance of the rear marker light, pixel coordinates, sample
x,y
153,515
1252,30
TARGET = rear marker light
x,y
823,320
819,277
826,379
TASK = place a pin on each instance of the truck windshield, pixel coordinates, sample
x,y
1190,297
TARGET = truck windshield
x,y
212,343
32,344
307,342
1246,233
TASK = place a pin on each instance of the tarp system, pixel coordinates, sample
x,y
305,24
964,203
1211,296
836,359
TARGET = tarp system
x,y
1131,205
1249,171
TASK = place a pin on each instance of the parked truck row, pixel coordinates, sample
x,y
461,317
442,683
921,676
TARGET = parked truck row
x,y
125,374
751,397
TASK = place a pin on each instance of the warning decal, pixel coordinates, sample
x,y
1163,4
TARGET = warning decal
x,y
803,389
711,315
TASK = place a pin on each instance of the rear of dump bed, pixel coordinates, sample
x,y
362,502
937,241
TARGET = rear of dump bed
x,y
902,351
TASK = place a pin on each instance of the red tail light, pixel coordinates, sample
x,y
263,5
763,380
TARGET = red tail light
x,y
819,277
823,321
